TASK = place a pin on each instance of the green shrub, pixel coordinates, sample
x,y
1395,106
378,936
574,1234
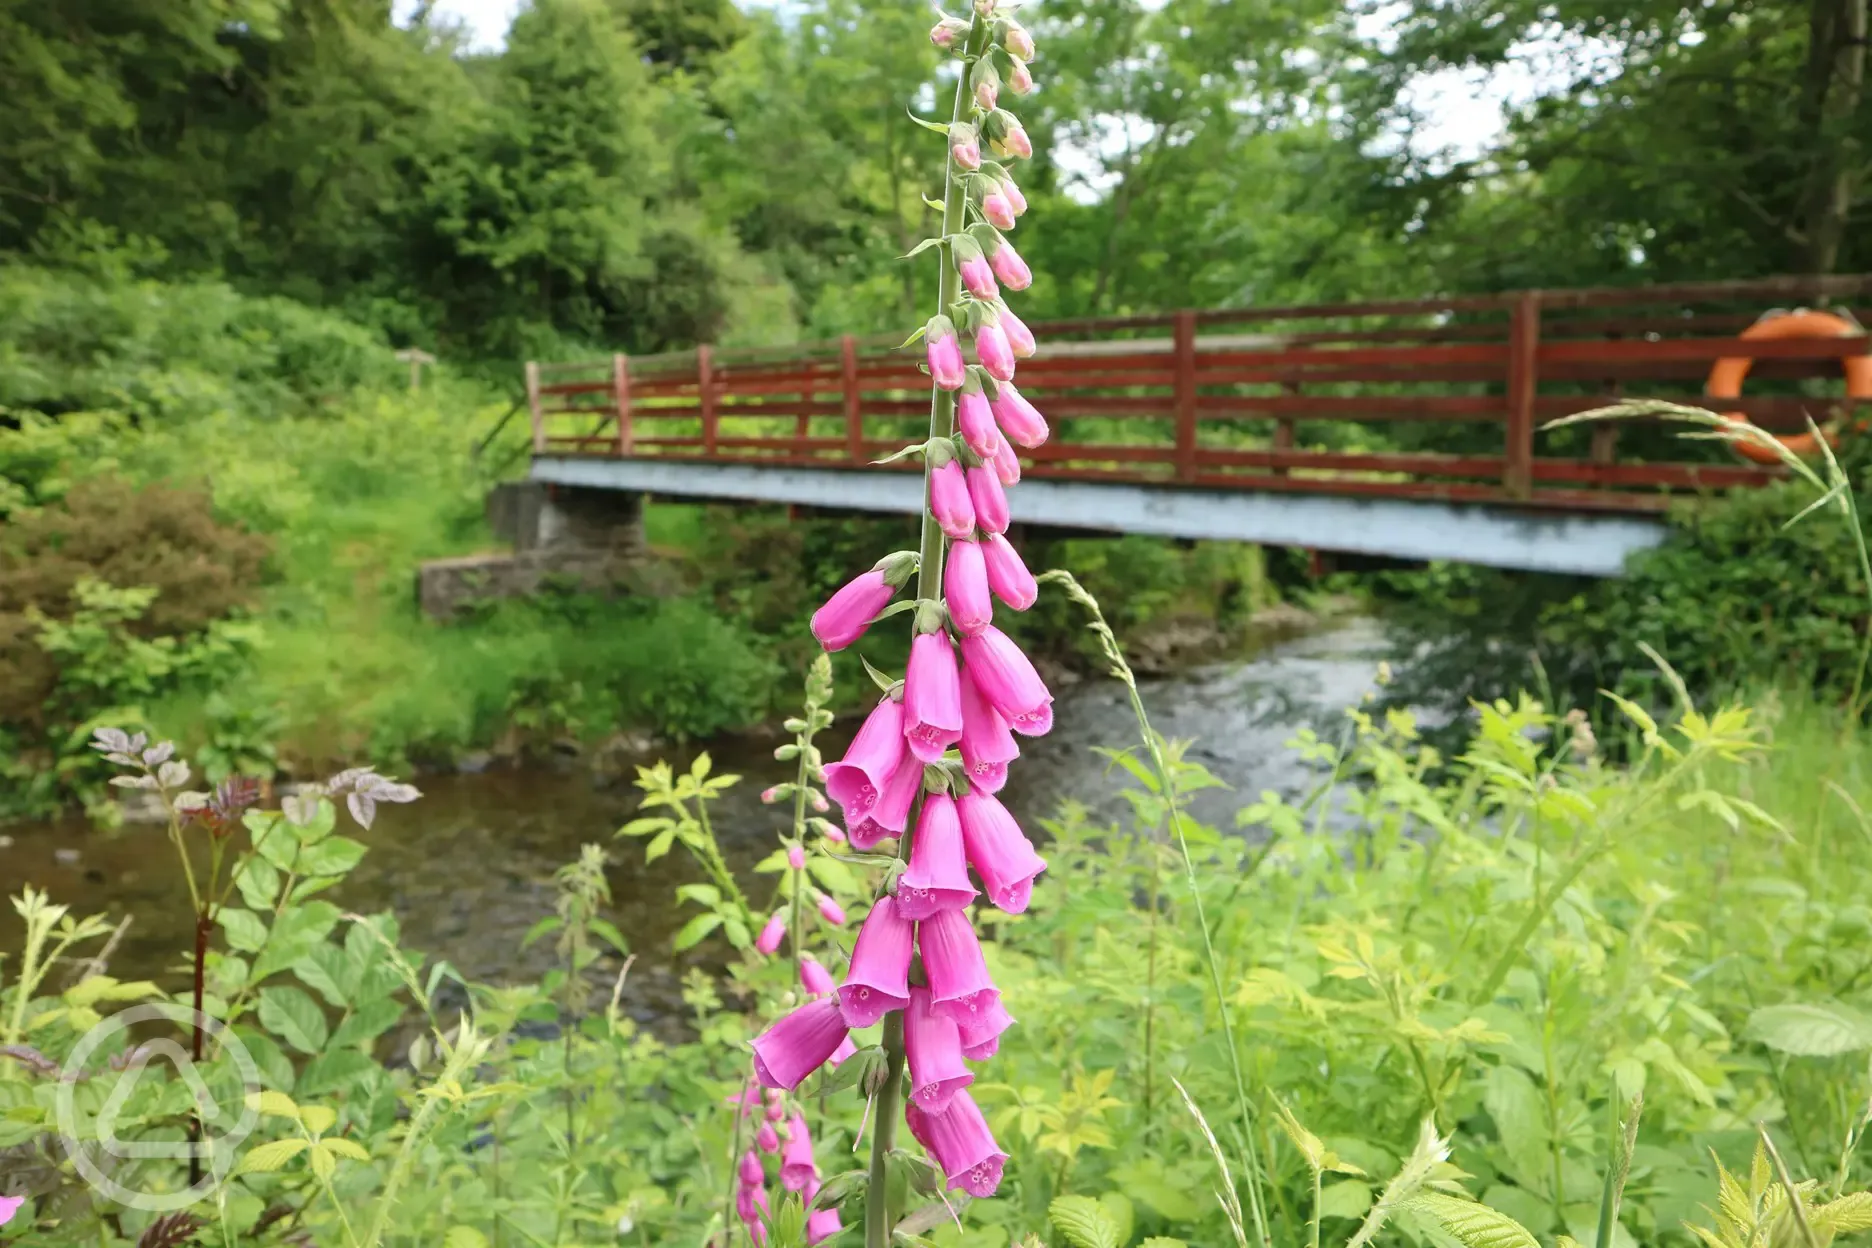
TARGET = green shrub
x,y
1734,599
163,544
73,341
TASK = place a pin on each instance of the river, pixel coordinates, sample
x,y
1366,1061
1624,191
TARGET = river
x,y
468,868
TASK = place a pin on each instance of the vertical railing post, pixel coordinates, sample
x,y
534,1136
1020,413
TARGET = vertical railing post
x,y
533,407
1284,427
1605,432
1523,373
705,396
620,393
854,419
1186,395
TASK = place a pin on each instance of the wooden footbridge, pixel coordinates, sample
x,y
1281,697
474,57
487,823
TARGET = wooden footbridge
x,y
1409,428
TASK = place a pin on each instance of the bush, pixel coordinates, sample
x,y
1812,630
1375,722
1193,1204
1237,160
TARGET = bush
x,y
72,341
1733,599
191,568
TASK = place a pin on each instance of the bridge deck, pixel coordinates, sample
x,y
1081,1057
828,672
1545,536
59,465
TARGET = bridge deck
x,y
1411,428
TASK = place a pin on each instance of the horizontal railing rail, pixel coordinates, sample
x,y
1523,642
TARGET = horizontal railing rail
x,y
1427,398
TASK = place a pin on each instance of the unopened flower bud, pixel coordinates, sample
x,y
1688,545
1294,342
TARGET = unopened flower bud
x,y
1018,335
1014,196
965,146
985,84
772,934
994,352
998,210
1010,268
770,796
796,858
1019,80
944,352
1018,41
831,911
1006,134
786,753
819,802
946,33
873,1070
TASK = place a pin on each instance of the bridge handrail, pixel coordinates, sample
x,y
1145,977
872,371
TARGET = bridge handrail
x,y
1513,359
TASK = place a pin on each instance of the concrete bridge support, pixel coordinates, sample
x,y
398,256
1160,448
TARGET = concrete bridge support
x,y
569,536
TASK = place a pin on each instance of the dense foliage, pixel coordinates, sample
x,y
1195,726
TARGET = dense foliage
x,y
1506,946
1736,598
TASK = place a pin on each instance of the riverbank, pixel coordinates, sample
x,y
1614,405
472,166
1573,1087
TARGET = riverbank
x,y
469,868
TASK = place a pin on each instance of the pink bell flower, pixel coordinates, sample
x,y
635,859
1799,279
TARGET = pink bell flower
x,y
798,1044
976,420
773,933
987,745
1007,575
933,1046
997,210
981,1035
856,781
937,878
879,978
1019,42
1007,465
830,911
990,499
965,591
1008,682
952,960
949,500
1018,335
821,1225
849,612
945,359
1010,268
815,979
892,812
1019,419
932,698
797,1167
1020,78
767,1139
962,1145
796,858
752,1208
996,356
999,851
978,276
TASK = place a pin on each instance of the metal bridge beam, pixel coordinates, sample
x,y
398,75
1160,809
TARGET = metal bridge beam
x,y
1589,544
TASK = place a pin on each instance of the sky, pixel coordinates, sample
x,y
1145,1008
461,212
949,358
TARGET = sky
x,y
1464,111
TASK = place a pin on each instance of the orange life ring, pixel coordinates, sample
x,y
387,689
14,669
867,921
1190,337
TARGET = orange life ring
x,y
1726,377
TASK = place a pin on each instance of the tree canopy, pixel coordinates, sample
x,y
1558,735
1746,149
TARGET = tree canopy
x,y
644,174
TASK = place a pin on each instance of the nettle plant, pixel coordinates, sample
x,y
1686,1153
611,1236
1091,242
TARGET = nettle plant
x,y
924,769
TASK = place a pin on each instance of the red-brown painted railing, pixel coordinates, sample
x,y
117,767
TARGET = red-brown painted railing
x,y
1270,410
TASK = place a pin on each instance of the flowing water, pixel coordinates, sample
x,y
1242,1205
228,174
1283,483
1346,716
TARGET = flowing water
x,y
468,868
